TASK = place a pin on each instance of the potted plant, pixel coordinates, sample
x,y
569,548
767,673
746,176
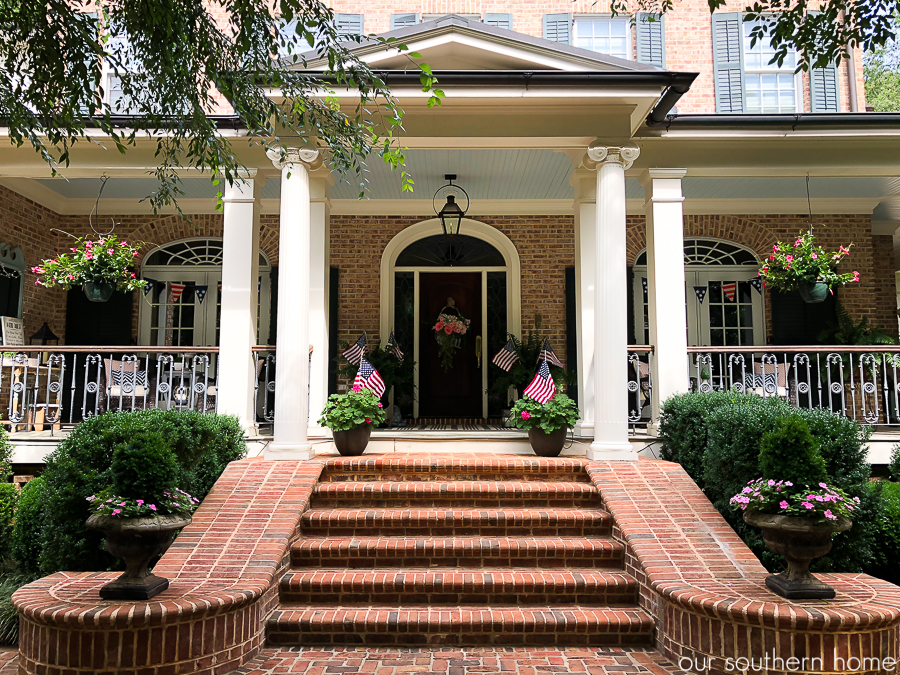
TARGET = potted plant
x,y
351,417
396,372
807,267
795,507
547,423
140,513
100,267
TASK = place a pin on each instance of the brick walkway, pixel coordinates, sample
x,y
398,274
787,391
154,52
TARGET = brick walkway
x,y
8,661
459,661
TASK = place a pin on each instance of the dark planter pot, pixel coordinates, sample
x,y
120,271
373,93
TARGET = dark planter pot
x,y
800,541
136,541
813,293
547,445
353,442
98,292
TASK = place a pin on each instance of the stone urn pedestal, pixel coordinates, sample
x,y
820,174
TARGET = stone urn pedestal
x,y
136,541
800,541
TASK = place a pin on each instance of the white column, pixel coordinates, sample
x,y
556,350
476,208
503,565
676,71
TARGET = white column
x,y
237,329
585,184
665,284
318,303
291,439
611,306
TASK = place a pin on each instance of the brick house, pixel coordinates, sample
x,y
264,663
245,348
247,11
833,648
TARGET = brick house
x,y
613,165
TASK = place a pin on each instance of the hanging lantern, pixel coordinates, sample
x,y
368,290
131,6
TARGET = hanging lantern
x,y
451,214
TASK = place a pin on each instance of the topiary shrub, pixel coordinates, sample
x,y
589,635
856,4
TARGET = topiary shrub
x,y
886,527
790,453
27,534
9,498
6,450
894,466
143,467
842,444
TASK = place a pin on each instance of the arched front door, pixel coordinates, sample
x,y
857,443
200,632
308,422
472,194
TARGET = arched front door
x,y
476,272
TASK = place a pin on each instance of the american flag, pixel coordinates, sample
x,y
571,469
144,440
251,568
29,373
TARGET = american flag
x,y
730,289
393,347
506,357
542,388
548,355
177,290
369,378
355,352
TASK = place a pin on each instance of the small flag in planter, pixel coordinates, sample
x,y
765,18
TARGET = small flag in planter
x,y
700,292
201,292
549,355
756,282
151,284
368,378
393,347
177,290
542,387
730,290
506,357
355,352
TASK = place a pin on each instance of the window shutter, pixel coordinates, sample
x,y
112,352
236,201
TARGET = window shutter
x,y
728,58
651,39
403,20
558,28
349,24
823,90
499,20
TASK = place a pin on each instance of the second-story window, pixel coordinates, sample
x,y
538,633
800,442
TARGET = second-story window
x,y
605,35
768,87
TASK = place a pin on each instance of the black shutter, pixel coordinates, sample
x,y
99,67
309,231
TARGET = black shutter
x,y
571,332
334,275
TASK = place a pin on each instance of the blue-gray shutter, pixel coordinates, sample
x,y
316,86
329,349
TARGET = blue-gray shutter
x,y
558,28
651,39
728,62
349,24
499,20
403,20
823,90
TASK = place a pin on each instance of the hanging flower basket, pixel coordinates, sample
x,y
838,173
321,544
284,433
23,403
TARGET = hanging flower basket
x,y
806,267
449,330
101,266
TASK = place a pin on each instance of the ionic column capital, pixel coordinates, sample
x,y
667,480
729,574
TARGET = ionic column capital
x,y
600,153
282,156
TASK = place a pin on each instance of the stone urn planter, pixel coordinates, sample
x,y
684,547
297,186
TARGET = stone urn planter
x,y
800,541
98,292
547,445
136,541
353,442
814,292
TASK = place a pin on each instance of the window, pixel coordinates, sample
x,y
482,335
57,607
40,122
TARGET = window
x,y
604,35
768,87
12,280
292,43
115,97
432,17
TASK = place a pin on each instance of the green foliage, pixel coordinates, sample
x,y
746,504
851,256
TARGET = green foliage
x,y
790,453
27,534
10,582
9,499
107,260
842,444
882,73
804,262
143,467
560,411
522,372
894,466
886,530
81,466
6,450
396,373
355,408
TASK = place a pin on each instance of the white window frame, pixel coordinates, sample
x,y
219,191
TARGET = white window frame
x,y
767,69
434,17
629,37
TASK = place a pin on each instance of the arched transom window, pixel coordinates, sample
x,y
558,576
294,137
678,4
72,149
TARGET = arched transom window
x,y
712,253
192,253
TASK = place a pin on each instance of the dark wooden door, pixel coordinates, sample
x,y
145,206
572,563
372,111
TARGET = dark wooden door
x,y
457,393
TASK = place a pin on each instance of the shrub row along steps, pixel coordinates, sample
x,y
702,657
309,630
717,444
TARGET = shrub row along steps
x,y
457,552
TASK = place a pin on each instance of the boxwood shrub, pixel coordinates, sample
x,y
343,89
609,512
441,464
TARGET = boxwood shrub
x,y
886,529
27,539
80,466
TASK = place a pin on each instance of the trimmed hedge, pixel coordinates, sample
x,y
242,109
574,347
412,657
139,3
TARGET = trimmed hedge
x,y
9,498
27,541
80,466
6,450
887,531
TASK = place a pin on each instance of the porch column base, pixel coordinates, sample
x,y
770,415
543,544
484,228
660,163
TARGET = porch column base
x,y
298,452
611,451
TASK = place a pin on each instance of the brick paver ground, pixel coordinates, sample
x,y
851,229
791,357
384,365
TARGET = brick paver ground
x,y
459,661
8,661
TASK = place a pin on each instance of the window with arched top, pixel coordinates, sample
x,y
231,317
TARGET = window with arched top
x,y
442,251
710,252
192,253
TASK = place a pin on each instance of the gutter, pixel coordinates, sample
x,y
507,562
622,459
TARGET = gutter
x,y
781,122
677,87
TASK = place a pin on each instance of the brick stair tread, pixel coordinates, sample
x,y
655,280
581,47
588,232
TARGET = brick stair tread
x,y
343,467
452,489
425,517
437,545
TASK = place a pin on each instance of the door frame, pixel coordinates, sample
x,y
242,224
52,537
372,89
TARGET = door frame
x,y
472,228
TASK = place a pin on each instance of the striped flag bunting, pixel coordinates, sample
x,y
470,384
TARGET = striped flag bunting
x,y
730,290
506,357
355,352
547,354
542,388
177,290
393,347
368,378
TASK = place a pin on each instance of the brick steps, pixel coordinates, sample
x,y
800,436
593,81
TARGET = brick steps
x,y
476,625
454,469
459,587
359,552
449,522
449,494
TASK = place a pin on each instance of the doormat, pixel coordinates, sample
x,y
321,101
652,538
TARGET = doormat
x,y
450,424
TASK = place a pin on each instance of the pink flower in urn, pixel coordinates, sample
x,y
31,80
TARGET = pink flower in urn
x,y
784,505
116,512
368,420
356,389
808,505
830,515
526,415
380,405
152,507
140,502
